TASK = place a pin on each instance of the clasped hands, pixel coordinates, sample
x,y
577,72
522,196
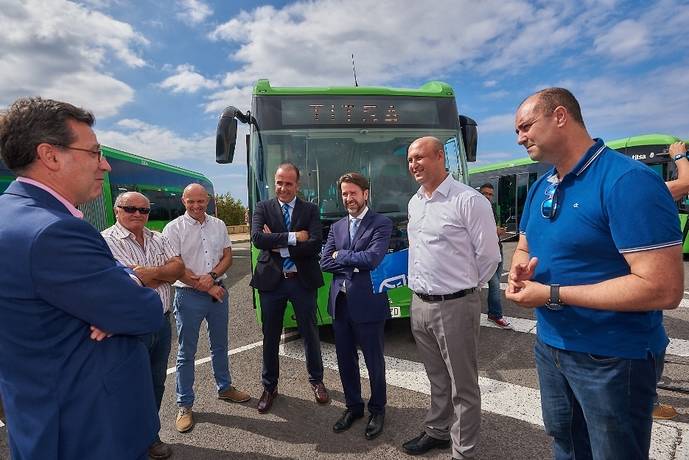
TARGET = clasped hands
x,y
522,290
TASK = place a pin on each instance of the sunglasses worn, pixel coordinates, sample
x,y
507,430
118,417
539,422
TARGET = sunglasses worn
x,y
549,205
133,209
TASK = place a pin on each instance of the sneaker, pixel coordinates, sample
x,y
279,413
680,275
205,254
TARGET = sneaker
x,y
232,394
501,322
185,420
159,450
664,412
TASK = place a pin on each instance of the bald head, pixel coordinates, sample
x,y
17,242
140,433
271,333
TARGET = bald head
x,y
195,200
428,142
194,189
426,161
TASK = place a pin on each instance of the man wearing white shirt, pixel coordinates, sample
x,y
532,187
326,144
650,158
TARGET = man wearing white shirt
x,y
155,264
453,249
206,251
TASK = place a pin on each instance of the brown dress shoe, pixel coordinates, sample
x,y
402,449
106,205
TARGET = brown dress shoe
x,y
233,394
266,400
320,392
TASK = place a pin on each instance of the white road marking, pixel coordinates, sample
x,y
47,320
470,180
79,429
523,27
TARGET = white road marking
x,y
497,397
234,351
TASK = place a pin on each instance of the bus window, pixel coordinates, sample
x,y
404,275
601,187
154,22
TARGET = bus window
x,y
507,195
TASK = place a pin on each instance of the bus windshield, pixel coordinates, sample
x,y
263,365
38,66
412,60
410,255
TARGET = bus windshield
x,y
323,155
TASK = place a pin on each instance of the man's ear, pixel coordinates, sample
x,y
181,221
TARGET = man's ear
x,y
46,154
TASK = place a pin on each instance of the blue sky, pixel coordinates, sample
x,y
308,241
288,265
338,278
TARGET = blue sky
x,y
157,73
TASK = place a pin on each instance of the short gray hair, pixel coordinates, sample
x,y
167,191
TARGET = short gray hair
x,y
122,197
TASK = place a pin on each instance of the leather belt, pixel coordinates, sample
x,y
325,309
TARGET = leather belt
x,y
289,275
441,297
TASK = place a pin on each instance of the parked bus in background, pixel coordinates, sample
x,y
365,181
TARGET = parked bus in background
x,y
512,179
329,131
160,182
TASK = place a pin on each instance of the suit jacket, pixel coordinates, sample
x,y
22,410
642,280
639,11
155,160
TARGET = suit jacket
x,y
365,253
67,396
268,271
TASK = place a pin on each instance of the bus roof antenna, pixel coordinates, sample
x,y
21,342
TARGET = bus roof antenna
x,y
354,70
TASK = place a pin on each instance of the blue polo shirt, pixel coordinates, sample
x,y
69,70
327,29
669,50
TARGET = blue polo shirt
x,y
608,205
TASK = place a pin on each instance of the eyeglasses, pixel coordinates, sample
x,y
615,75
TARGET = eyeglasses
x,y
133,209
549,205
98,153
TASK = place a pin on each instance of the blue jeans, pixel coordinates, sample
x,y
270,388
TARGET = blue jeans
x,y
494,294
158,345
191,307
596,407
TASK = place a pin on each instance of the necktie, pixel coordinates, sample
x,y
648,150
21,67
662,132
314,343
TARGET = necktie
x,y
287,263
353,227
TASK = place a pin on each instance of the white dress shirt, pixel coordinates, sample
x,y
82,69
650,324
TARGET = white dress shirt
x,y
201,245
157,251
452,240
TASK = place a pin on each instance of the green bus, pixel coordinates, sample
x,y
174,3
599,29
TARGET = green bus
x,y
160,182
513,178
328,131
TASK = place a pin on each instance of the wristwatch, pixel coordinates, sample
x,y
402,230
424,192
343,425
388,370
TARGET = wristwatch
x,y
213,275
554,302
679,156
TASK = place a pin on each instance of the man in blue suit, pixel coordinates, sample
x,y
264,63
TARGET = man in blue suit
x,y
356,245
74,378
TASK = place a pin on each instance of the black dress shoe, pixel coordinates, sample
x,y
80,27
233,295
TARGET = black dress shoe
x,y
374,426
345,422
266,400
423,443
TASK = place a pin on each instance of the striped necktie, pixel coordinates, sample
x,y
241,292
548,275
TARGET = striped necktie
x,y
353,227
287,263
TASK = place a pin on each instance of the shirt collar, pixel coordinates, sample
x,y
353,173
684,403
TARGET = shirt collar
x,y
121,232
443,188
70,207
360,216
590,156
290,204
191,220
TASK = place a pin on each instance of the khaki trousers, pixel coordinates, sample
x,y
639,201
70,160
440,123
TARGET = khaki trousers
x,y
446,335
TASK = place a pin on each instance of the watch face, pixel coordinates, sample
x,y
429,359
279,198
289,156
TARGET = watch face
x,y
554,306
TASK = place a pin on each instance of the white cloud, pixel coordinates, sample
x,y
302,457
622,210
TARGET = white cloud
x,y
503,123
160,143
187,80
61,49
311,42
196,152
626,40
193,11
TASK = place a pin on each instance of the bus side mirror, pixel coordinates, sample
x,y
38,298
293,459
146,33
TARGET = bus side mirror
x,y
469,136
226,136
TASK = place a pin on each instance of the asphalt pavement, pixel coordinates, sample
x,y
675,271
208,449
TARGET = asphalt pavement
x,y
298,428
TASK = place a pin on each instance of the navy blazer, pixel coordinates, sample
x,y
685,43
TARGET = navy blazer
x,y
365,253
67,396
268,271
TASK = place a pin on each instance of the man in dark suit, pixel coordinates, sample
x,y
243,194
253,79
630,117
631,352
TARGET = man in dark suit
x,y
288,230
74,378
356,245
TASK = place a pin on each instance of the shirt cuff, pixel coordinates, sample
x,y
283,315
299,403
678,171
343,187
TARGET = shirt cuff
x,y
292,238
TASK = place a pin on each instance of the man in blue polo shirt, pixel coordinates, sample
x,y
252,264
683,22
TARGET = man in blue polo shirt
x,y
598,233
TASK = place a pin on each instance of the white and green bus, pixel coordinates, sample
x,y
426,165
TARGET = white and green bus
x,y
328,131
